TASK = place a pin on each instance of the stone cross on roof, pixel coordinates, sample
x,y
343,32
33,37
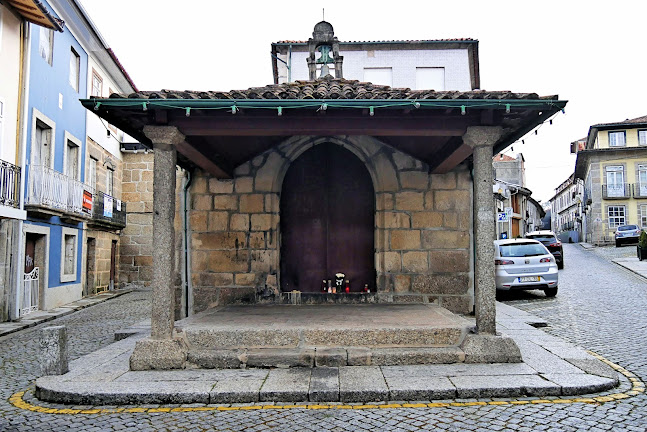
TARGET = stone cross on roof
x,y
323,40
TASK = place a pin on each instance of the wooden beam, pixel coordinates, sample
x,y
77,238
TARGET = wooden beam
x,y
321,125
204,162
450,156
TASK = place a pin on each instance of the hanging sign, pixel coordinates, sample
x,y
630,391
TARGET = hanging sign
x,y
107,206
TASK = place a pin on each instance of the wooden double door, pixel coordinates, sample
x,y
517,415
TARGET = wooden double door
x,y
327,220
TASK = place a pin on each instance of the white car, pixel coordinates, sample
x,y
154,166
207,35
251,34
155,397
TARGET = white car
x,y
524,264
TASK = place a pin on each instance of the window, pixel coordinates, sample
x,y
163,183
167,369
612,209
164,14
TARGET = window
x,y
643,216
68,254
617,139
642,137
381,76
42,152
72,157
616,216
75,69
615,181
92,174
642,180
1,112
430,78
97,84
46,44
110,177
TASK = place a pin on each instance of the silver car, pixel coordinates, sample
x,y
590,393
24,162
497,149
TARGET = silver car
x,y
524,264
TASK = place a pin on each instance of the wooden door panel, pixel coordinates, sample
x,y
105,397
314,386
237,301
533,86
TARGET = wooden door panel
x,y
327,220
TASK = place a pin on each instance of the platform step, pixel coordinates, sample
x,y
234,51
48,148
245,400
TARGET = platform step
x,y
215,338
322,356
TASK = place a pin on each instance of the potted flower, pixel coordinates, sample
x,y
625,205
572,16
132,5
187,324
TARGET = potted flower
x,y
642,246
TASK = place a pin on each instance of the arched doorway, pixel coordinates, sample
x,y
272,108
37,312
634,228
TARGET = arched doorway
x,y
327,220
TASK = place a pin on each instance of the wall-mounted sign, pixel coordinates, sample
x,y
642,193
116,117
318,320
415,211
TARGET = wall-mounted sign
x,y
107,206
87,202
502,217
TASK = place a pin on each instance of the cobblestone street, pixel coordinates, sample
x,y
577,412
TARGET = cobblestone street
x,y
600,306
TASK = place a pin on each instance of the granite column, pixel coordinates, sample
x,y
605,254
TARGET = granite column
x,y
482,140
162,350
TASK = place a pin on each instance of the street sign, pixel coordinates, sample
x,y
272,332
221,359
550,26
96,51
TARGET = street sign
x,y
502,217
508,211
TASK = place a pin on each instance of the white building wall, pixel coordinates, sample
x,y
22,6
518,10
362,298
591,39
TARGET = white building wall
x,y
96,127
9,83
403,63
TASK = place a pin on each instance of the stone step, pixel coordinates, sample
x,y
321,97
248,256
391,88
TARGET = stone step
x,y
219,338
322,356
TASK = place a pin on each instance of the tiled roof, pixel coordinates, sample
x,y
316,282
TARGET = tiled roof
x,y
388,41
637,120
331,88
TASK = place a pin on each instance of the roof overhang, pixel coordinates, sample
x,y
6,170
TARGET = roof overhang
x,y
222,133
34,11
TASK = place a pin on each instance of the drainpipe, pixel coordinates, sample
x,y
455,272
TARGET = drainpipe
x,y
289,63
187,285
25,65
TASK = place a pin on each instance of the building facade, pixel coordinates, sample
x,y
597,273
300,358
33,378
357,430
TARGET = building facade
x,y
441,65
613,167
69,184
566,205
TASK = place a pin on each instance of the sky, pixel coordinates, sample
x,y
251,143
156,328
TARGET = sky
x,y
591,53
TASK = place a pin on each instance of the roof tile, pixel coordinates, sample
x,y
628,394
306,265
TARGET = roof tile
x,y
330,88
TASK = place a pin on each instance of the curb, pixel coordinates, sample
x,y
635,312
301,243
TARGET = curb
x,y
44,316
637,388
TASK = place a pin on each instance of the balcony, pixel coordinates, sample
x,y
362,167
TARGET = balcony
x,y
9,184
640,190
616,191
52,193
108,212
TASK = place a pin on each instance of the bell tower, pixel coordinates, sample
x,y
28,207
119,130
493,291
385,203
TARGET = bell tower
x,y
323,40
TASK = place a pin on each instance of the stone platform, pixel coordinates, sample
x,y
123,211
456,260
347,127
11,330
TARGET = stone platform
x,y
551,367
324,335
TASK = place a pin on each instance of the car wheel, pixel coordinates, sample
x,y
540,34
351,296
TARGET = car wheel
x,y
560,265
617,243
550,292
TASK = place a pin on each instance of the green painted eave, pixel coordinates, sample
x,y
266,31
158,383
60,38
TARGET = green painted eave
x,y
317,104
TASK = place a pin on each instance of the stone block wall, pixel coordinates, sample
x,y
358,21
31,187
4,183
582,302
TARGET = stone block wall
x,y
422,234
136,249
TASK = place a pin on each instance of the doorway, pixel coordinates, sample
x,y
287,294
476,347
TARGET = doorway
x,y
327,220
90,267
113,264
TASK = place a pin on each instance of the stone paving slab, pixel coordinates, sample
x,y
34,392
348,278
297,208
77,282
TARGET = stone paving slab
x,y
634,265
39,317
551,367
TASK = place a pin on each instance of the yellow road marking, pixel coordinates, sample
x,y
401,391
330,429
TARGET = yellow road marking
x,y
637,388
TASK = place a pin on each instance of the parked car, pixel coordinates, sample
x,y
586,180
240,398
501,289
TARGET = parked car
x,y
552,243
627,234
524,264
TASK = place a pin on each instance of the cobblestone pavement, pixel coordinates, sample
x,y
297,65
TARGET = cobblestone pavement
x,y
600,306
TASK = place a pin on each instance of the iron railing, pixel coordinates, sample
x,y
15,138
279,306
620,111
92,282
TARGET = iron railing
x,y
116,214
9,184
616,191
53,190
640,190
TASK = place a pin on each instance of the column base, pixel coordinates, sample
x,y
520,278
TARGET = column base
x,y
159,354
483,348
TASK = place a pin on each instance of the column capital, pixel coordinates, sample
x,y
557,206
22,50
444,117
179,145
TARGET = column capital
x,y
163,136
480,136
